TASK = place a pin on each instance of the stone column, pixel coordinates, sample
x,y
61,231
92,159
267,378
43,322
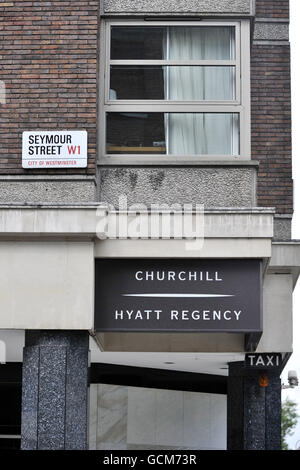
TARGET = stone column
x,y
55,390
253,411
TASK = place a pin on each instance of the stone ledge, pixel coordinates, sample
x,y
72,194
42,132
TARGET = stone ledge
x,y
140,163
179,7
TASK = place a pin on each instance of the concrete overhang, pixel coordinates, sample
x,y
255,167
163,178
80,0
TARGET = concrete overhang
x,y
222,233
209,233
96,221
160,233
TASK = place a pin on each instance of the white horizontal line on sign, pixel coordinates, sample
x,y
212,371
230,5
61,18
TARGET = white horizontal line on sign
x,y
178,295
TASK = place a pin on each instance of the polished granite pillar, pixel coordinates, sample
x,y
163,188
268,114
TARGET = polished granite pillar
x,y
253,411
55,390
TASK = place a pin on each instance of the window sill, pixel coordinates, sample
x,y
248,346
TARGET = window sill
x,y
172,162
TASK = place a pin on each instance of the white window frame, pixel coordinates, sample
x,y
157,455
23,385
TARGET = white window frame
x,y
241,105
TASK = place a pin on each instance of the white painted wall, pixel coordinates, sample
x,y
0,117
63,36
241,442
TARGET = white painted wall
x,y
277,314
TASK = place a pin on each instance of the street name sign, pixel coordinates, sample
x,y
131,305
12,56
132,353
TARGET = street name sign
x,y
182,295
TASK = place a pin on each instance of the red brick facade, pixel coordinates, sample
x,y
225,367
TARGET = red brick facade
x,y
48,59
272,9
271,125
271,115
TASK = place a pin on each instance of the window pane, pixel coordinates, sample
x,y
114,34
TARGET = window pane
x,y
173,133
173,42
137,82
137,42
136,133
179,83
200,43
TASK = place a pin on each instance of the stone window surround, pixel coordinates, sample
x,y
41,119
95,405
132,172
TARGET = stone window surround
x,y
241,106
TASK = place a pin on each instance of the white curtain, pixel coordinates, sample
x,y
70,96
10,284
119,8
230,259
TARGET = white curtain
x,y
205,134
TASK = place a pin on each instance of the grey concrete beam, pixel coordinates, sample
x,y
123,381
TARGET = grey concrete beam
x,y
82,221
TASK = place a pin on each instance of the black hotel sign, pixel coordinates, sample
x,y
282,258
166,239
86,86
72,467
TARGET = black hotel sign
x,y
178,295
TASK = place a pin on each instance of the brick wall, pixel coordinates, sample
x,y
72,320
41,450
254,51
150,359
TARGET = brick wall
x,y
271,115
271,125
48,61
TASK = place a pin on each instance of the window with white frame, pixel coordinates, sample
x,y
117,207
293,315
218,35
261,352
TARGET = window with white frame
x,y
176,91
